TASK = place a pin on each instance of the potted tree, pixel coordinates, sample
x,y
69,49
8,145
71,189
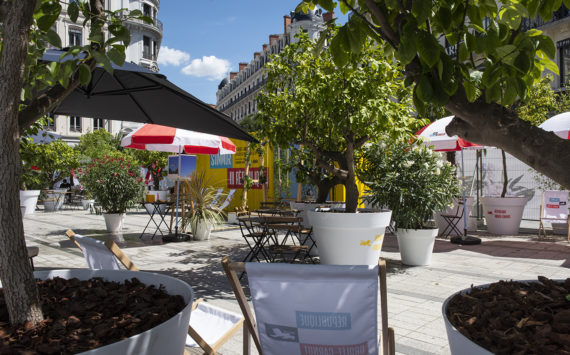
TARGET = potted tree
x,y
331,109
414,182
202,215
116,184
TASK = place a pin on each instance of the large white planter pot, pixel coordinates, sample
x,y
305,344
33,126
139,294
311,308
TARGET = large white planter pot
x,y
166,338
350,238
86,203
29,199
114,222
54,200
201,230
441,223
232,218
503,214
416,245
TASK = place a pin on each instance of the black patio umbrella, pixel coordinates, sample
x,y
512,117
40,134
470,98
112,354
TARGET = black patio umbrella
x,y
136,94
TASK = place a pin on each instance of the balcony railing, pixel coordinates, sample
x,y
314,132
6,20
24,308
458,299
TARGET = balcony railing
x,y
147,54
558,15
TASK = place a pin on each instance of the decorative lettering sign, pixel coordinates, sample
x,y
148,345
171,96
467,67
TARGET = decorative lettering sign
x,y
236,175
222,161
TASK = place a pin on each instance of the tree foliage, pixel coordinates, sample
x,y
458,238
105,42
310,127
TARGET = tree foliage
x,y
317,106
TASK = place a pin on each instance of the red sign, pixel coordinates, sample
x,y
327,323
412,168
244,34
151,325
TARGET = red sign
x,y
235,177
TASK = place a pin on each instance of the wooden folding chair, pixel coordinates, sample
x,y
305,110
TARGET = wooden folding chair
x,y
192,330
386,339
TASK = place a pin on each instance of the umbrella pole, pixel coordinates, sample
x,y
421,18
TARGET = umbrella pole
x,y
177,237
464,239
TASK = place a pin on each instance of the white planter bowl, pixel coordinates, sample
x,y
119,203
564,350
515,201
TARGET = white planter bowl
x,y
201,230
86,203
416,245
166,338
503,214
350,238
54,200
29,199
114,222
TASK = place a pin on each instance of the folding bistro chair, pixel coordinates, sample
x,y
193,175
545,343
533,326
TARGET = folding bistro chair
x,y
554,207
292,230
255,235
302,309
452,220
210,326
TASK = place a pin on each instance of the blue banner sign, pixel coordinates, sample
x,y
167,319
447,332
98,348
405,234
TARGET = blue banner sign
x,y
222,161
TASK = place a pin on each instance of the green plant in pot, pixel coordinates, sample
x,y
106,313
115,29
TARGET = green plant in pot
x,y
202,215
116,184
414,182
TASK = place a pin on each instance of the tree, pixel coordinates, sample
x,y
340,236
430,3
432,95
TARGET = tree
x,y
97,144
332,111
490,62
53,161
29,89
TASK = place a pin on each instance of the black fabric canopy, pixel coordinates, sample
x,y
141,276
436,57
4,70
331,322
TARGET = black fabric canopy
x,y
136,94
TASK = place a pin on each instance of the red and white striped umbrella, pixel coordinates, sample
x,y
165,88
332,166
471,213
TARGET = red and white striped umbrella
x,y
168,139
434,136
559,124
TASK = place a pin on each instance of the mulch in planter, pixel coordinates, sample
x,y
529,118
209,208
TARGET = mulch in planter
x,y
82,315
512,317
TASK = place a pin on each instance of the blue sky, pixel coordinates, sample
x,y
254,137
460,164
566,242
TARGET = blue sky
x,y
203,40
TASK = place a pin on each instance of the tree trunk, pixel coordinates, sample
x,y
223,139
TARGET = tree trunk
x,y
505,176
494,125
323,188
19,285
350,182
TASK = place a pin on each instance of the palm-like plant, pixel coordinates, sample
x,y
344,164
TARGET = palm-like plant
x,y
201,197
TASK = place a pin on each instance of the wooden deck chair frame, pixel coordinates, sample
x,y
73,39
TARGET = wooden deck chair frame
x,y
208,349
386,339
541,229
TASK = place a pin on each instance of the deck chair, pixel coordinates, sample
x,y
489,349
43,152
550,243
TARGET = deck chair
x,y
553,207
302,309
228,199
210,326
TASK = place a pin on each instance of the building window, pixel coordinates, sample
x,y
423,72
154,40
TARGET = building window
x,y
564,65
98,124
75,37
74,124
50,124
147,50
147,10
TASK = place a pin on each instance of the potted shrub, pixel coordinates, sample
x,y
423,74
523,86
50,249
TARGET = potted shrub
x,y
202,215
116,184
414,182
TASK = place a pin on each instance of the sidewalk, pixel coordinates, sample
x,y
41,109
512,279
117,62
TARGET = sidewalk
x,y
415,294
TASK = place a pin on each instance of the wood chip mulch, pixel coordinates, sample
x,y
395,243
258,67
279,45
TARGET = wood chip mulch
x,y
512,317
83,315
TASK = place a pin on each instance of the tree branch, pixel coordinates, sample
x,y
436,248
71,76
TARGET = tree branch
x,y
389,34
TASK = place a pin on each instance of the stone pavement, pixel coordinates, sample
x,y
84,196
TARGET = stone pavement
x,y
415,294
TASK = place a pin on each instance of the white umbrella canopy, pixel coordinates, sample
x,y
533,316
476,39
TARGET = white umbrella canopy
x,y
434,135
559,124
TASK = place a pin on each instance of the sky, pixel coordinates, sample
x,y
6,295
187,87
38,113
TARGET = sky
x,y
204,40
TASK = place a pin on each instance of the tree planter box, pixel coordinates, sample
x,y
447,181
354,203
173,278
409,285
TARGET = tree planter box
x,y
350,238
29,199
166,338
503,214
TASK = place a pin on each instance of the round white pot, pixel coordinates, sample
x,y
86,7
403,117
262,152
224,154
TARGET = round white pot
x,y
86,203
29,199
441,223
54,200
416,245
166,338
201,230
350,238
114,222
232,218
503,214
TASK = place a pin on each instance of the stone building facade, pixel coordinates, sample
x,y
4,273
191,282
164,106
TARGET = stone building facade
x,y
236,94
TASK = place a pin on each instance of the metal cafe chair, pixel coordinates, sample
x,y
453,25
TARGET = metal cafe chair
x,y
452,221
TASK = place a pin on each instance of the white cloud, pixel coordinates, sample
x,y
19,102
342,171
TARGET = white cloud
x,y
209,66
171,56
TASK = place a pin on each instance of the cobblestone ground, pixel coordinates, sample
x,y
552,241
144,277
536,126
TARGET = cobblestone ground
x,y
415,294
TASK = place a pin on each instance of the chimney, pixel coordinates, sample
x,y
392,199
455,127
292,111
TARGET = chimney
x,y
327,16
273,38
256,54
286,23
264,47
242,66
232,75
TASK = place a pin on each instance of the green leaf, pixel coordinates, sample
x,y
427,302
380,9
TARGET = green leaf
x,y
46,21
493,93
470,90
103,60
424,89
522,63
84,74
121,33
444,16
421,9
53,38
428,49
73,11
135,13
503,51
117,56
339,55
509,92
550,65
97,37
568,295
547,46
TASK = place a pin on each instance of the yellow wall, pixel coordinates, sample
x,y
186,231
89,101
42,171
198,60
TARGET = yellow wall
x,y
219,176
